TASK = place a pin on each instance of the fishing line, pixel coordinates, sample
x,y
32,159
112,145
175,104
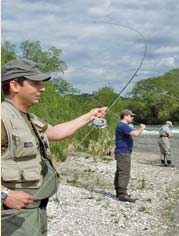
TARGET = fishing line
x,y
138,67
163,94
130,79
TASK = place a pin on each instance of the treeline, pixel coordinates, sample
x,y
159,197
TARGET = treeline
x,y
154,100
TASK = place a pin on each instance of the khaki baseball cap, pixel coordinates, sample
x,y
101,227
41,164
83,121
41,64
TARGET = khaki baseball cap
x,y
169,123
127,112
23,68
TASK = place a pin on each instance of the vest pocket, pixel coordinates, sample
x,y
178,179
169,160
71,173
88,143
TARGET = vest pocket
x,y
24,146
10,173
21,172
32,173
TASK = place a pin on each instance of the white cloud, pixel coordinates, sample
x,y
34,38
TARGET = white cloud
x,y
167,50
101,52
168,62
100,8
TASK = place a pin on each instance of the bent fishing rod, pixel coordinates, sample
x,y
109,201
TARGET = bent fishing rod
x,y
101,122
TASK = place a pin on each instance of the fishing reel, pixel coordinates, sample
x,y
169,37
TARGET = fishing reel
x,y
100,123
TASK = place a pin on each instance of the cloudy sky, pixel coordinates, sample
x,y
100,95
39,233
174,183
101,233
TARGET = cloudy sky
x,y
103,41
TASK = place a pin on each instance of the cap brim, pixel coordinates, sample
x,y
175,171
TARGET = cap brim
x,y
38,77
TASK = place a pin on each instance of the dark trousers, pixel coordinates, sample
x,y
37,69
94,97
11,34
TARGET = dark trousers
x,y
122,175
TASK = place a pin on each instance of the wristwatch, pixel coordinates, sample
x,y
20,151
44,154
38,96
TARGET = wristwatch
x,y
4,194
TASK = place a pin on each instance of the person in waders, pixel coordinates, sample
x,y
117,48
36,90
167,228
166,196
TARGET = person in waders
x,y
165,134
28,178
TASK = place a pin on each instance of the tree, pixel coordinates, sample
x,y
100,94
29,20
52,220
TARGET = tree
x,y
105,95
48,61
31,50
8,52
159,96
64,87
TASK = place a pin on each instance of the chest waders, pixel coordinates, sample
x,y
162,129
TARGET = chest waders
x,y
164,145
25,166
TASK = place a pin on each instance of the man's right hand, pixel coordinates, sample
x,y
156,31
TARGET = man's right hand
x,y
18,199
142,126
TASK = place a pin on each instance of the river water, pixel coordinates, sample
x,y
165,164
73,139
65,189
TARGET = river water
x,y
148,142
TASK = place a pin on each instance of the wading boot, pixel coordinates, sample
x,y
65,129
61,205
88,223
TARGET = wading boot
x,y
126,198
163,163
169,163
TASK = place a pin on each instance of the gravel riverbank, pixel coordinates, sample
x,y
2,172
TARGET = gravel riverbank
x,y
88,207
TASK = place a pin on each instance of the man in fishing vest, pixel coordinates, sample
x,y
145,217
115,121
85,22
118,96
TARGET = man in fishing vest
x,y
165,135
28,178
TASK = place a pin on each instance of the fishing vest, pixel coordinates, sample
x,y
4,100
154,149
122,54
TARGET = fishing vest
x,y
24,165
162,132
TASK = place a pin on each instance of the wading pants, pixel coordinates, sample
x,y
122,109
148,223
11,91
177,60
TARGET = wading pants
x,y
24,222
122,175
164,145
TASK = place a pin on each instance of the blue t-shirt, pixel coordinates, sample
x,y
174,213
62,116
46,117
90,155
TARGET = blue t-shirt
x,y
124,141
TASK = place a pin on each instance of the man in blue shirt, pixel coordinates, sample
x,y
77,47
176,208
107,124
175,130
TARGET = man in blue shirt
x,y
123,149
